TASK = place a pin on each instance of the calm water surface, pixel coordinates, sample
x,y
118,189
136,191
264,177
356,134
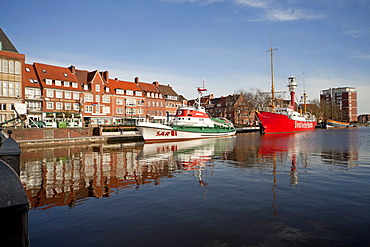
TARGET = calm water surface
x,y
304,189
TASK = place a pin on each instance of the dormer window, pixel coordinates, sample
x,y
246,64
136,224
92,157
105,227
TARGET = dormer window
x,y
86,87
119,91
107,89
28,70
65,74
74,84
129,92
58,83
138,93
66,83
44,71
48,82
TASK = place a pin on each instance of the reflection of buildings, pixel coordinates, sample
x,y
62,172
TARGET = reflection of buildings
x,y
68,175
65,176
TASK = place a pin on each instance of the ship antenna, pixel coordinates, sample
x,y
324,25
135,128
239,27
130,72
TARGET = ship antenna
x,y
272,77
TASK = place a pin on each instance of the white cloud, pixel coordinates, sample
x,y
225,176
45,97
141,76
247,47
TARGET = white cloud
x,y
291,14
354,33
252,3
360,56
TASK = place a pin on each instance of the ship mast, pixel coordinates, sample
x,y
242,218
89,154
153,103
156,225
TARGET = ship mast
x,y
272,78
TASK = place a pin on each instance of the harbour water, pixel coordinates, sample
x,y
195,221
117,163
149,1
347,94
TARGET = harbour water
x,y
303,189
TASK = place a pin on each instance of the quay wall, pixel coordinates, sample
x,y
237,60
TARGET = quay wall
x,y
52,133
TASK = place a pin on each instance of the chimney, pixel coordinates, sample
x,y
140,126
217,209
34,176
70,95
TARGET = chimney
x,y
116,79
105,75
156,83
136,80
72,68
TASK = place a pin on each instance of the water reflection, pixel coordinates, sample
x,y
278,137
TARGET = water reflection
x,y
69,175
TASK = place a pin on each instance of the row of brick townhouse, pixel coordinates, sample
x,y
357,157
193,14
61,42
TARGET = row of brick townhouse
x,y
63,94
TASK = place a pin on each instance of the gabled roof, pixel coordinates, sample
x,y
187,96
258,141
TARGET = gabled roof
x,y
6,44
30,74
45,71
182,98
167,90
149,87
124,85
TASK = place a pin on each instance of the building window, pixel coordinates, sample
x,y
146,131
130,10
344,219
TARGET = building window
x,y
107,89
59,106
86,87
5,66
119,91
97,88
17,68
48,82
76,95
138,93
17,89
129,92
67,95
65,74
130,111
76,106
119,110
119,101
106,109
58,83
106,99
68,106
66,83
50,105
88,98
50,93
11,67
130,102
88,108
58,94
11,89
3,107
74,84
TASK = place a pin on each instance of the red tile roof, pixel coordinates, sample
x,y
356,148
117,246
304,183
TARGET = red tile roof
x,y
30,74
124,85
46,71
149,87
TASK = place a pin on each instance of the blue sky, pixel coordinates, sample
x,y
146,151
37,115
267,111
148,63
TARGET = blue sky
x,y
183,42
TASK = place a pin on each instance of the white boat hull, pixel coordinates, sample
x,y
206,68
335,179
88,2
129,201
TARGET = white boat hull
x,y
160,132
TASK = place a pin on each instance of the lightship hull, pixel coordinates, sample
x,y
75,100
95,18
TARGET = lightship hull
x,y
158,132
278,123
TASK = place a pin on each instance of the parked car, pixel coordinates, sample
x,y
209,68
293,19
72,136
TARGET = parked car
x,y
50,123
37,124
